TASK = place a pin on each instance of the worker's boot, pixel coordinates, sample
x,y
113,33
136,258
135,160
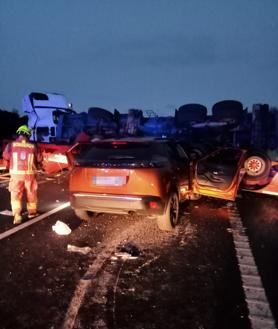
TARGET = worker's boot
x,y
17,219
32,215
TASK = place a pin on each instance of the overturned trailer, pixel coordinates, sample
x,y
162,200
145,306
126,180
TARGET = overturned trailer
x,y
56,125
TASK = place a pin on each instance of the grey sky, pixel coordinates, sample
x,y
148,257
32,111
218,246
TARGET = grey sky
x,y
148,54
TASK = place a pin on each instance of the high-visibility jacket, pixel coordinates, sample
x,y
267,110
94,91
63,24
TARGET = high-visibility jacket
x,y
22,157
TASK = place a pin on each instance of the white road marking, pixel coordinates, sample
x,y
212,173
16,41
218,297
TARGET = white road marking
x,y
104,253
83,285
32,221
271,193
260,314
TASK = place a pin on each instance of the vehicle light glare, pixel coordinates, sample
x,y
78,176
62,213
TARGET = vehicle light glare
x,y
153,205
183,190
119,143
60,158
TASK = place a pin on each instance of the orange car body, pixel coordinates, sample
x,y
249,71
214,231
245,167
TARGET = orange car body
x,y
153,177
124,184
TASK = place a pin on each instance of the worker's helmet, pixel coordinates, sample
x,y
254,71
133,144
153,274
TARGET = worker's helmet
x,y
24,130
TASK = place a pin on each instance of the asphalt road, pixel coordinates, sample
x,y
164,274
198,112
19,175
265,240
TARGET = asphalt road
x,y
188,278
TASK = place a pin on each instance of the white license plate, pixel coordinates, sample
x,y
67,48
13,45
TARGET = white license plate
x,y
109,180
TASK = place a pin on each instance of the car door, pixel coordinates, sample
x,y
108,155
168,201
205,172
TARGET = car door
x,y
180,168
219,173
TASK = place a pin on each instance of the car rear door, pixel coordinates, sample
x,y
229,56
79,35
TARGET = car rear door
x,y
219,173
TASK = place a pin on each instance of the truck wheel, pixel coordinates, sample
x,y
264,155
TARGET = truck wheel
x,y
227,109
257,166
170,218
84,214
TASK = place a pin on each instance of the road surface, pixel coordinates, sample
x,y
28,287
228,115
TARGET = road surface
x,y
122,272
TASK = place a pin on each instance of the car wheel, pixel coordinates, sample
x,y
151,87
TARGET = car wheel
x,y
84,214
170,218
257,166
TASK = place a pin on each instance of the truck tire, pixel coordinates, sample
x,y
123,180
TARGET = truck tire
x,y
257,166
170,218
84,215
191,113
227,109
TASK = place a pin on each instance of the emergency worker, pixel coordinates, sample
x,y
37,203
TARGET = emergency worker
x,y
22,158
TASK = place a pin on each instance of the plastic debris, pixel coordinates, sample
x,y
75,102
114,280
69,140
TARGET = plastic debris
x,y
61,228
128,251
81,250
125,255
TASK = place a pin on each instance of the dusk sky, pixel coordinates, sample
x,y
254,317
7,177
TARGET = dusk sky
x,y
147,54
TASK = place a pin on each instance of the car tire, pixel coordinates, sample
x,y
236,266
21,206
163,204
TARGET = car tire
x,y
257,166
170,218
84,214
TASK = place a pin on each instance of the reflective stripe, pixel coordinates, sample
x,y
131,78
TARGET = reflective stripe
x,y
15,158
29,170
23,144
22,158
30,162
31,206
21,172
16,204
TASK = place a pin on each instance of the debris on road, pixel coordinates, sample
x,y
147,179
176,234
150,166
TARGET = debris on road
x,y
61,228
124,255
128,251
49,178
81,250
146,264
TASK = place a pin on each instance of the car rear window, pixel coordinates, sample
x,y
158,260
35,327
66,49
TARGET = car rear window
x,y
121,154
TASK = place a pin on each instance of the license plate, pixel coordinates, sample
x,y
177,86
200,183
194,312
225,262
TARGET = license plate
x,y
109,180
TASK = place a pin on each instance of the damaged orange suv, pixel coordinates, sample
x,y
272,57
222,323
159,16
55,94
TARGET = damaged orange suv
x,y
143,176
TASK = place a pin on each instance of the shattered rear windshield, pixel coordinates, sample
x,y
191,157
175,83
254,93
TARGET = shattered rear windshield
x,y
124,153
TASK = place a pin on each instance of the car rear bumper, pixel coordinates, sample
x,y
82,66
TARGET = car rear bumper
x,y
118,204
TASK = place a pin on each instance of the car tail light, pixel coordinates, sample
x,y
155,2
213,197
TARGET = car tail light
x,y
119,143
153,205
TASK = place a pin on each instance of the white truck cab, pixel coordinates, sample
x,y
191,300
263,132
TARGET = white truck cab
x,y
43,110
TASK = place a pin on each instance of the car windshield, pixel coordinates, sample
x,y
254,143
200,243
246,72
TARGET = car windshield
x,y
125,153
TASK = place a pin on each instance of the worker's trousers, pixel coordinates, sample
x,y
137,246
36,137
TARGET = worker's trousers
x,y
20,183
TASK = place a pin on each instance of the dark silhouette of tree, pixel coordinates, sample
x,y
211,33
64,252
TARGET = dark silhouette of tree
x,y
9,122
